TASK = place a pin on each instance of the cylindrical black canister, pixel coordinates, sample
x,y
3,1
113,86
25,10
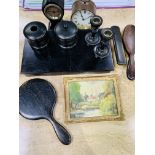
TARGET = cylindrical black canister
x,y
66,32
37,36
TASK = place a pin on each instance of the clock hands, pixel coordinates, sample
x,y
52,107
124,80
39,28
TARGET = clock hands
x,y
81,15
88,17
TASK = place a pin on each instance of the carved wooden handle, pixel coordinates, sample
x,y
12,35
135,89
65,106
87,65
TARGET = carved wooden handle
x,y
131,68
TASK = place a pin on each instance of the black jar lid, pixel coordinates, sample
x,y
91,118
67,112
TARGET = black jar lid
x,y
66,30
35,31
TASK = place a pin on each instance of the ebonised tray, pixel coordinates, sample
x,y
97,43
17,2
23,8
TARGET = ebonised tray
x,y
79,59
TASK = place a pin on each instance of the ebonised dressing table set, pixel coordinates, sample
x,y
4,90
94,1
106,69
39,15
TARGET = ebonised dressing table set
x,y
67,47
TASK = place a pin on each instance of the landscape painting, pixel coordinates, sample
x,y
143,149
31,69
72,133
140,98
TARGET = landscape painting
x,y
88,99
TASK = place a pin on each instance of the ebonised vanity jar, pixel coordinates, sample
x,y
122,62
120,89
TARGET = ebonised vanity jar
x,y
66,33
37,36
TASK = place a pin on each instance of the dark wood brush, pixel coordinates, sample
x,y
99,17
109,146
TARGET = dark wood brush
x,y
129,42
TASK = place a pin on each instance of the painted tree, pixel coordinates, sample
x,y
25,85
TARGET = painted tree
x,y
108,87
108,103
74,93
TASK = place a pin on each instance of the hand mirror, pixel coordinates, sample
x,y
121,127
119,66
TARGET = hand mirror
x,y
37,98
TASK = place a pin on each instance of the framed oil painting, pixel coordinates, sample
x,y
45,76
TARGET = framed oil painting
x,y
91,99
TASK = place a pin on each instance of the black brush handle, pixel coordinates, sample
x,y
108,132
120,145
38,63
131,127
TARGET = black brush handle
x,y
118,45
62,134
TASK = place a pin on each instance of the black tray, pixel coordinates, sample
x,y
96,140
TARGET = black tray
x,y
79,59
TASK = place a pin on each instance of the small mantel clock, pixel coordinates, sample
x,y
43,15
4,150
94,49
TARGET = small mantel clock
x,y
82,11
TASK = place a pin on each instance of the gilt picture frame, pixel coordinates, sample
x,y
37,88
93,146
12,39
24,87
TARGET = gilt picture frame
x,y
91,99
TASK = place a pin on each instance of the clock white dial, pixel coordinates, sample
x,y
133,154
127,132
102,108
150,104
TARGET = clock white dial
x,y
82,19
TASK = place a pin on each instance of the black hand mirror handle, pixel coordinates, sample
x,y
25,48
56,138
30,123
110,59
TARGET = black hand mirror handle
x,y
60,131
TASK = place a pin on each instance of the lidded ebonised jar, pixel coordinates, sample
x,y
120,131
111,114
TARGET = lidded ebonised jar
x,y
37,37
66,33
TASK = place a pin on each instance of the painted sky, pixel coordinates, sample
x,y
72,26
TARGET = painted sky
x,y
91,87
